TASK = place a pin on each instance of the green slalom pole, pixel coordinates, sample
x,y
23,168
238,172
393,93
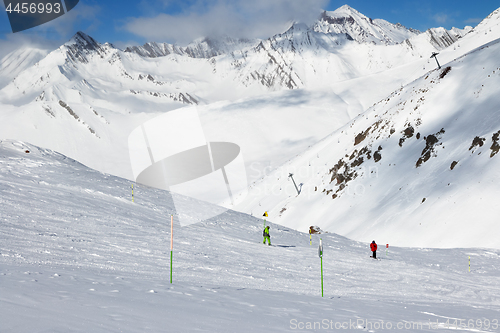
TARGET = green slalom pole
x,y
320,253
321,276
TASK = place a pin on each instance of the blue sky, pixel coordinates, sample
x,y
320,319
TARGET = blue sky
x,y
126,22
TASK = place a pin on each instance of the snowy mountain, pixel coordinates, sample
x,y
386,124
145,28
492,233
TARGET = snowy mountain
x,y
274,98
16,62
203,48
439,38
96,94
382,145
77,255
358,27
418,168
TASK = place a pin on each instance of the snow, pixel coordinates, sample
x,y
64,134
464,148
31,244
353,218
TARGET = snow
x,y
14,63
76,255
294,88
361,28
275,100
439,206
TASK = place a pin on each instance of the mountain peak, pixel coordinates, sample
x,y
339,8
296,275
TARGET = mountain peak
x,y
82,44
82,39
347,20
346,10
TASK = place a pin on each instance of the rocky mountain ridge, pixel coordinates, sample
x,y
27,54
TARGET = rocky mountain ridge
x,y
426,157
111,91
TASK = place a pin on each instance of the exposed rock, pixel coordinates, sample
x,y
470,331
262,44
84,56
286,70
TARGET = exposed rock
x,y
444,72
495,147
408,132
361,136
430,141
315,230
477,141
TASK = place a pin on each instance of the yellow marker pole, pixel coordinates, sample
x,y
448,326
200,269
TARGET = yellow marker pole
x,y
171,244
132,192
310,238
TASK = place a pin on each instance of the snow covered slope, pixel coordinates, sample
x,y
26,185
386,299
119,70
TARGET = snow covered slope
x,y
419,168
76,255
16,62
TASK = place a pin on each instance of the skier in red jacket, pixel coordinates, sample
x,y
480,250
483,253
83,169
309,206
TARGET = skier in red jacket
x,y
373,247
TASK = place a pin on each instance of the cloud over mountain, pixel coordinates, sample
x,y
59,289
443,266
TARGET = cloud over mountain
x,y
242,19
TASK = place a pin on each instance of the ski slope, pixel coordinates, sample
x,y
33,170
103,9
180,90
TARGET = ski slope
x,y
77,255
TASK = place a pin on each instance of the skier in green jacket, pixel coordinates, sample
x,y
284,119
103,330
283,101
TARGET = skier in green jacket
x,y
266,236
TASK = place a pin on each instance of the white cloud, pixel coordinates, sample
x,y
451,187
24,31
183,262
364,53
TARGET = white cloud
x,y
65,25
441,18
473,20
17,41
52,34
238,18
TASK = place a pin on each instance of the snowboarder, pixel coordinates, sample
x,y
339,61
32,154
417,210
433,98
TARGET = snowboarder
x,y
266,236
373,247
